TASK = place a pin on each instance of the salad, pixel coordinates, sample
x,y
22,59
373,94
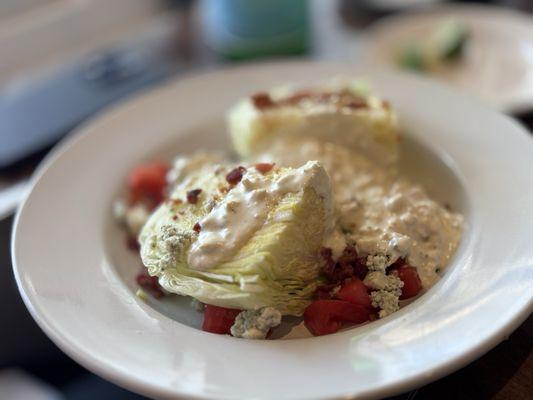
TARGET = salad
x,y
443,46
313,221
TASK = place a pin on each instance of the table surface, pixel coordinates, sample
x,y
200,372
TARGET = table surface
x,y
506,372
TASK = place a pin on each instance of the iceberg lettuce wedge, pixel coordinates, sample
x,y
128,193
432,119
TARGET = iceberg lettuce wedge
x,y
274,264
362,123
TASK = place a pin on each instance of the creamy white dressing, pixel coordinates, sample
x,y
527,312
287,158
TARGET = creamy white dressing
x,y
244,210
379,212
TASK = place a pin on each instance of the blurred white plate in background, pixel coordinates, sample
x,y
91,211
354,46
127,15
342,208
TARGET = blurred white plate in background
x,y
77,278
398,4
497,66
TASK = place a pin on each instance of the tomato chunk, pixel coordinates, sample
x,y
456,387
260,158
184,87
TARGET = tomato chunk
x,y
355,291
147,183
219,319
149,283
323,317
411,281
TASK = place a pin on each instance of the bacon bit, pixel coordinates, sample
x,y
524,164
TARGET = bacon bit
x,y
326,253
357,103
349,254
324,97
176,202
262,101
235,175
350,257
340,272
397,264
360,269
264,167
192,196
348,265
323,292
298,97
132,244
175,217
149,283
342,98
333,271
197,228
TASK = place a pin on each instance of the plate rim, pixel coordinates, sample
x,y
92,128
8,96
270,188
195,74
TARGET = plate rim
x,y
124,379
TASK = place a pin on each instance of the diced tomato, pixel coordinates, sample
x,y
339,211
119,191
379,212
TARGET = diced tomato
x,y
149,283
147,182
323,317
219,319
411,281
132,243
355,291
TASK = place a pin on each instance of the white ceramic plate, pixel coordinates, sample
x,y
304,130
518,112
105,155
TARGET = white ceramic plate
x,y
497,67
77,278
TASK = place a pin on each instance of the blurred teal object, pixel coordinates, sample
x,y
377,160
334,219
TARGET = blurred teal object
x,y
239,29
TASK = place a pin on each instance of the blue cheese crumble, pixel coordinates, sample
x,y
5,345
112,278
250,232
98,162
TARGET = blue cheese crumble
x,y
387,289
387,301
378,262
379,281
386,293
255,324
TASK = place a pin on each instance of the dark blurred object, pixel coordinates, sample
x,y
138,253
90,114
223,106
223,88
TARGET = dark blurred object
x,y
360,14
527,120
243,29
397,5
387,6
524,5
